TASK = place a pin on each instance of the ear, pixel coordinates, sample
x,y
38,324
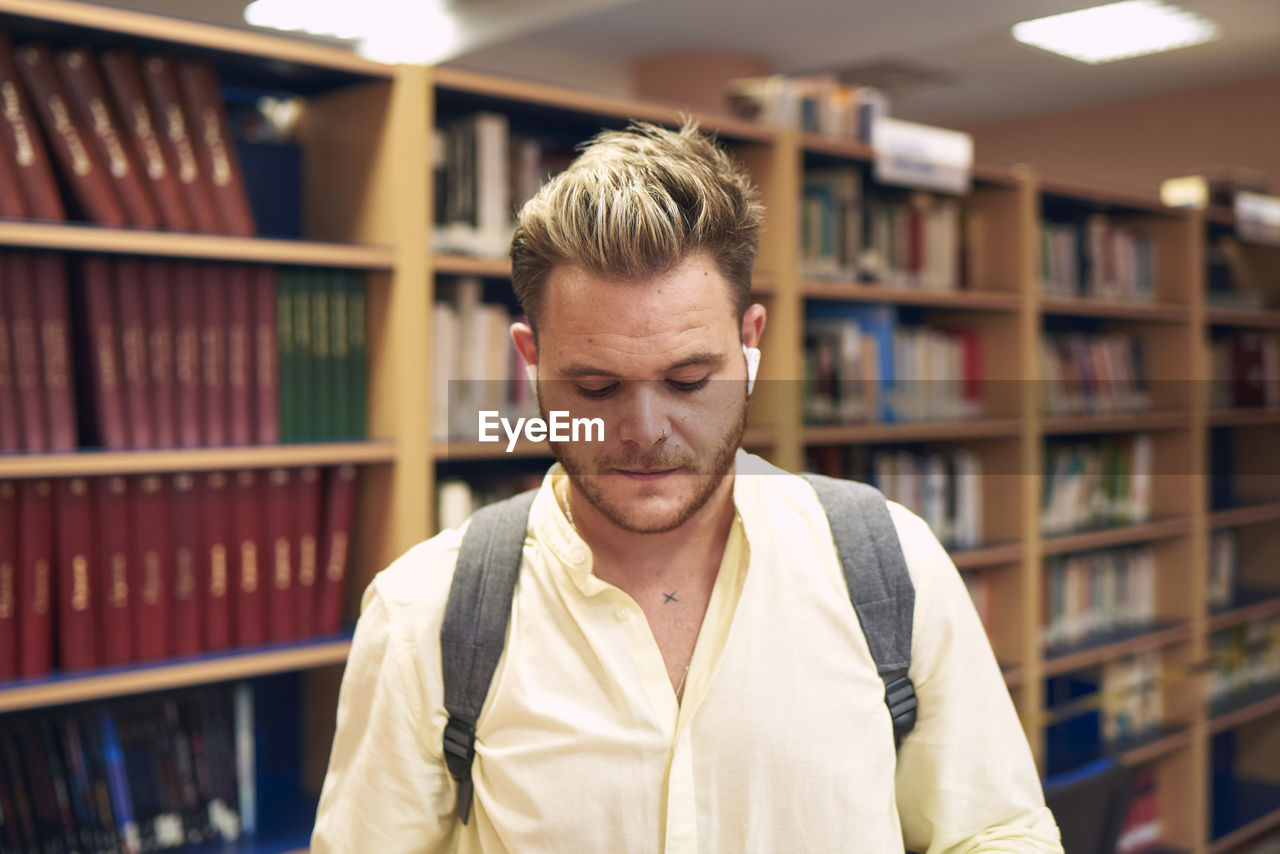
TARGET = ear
x,y
753,325
522,337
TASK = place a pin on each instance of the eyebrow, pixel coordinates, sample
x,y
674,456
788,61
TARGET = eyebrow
x,y
707,359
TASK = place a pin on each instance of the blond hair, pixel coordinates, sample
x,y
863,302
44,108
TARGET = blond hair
x,y
634,204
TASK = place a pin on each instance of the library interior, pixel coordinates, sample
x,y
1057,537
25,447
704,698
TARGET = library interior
x,y
1021,264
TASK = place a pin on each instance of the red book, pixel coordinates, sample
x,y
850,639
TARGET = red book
x,y
112,510
8,580
77,631
280,552
188,547
157,277
35,578
20,138
10,430
104,353
85,172
971,349
306,526
159,82
129,291
213,352
12,204
26,350
214,148
246,558
152,568
340,505
50,276
186,352
239,283
104,132
266,357
214,571
124,83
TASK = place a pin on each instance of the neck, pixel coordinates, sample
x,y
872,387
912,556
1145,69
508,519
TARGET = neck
x,y
624,555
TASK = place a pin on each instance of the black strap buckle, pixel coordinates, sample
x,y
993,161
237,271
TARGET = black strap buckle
x,y
459,747
900,695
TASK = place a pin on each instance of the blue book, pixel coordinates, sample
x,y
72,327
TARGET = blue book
x,y
117,784
880,322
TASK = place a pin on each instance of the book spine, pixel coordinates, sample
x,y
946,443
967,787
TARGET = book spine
x,y
340,499
152,577
246,759
19,134
19,790
26,350
83,82
77,607
115,552
266,361
306,526
49,271
35,578
186,353
8,580
278,540
12,202
215,560
187,549
84,172
159,81
287,356
124,83
104,353
214,147
358,363
213,352
239,283
342,393
117,782
10,429
300,383
247,557
130,298
157,277
321,401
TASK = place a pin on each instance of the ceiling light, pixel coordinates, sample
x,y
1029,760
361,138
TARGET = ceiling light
x,y
1117,31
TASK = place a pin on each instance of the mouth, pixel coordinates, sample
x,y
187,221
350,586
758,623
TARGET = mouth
x,y
646,474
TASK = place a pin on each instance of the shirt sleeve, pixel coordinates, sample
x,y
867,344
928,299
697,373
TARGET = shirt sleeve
x,y
386,790
966,781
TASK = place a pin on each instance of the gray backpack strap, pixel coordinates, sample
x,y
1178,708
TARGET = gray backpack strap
x,y
879,585
475,626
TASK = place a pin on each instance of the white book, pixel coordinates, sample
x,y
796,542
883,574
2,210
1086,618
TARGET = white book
x,y
444,343
454,504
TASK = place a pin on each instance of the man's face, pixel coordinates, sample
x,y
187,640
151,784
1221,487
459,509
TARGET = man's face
x,y
660,362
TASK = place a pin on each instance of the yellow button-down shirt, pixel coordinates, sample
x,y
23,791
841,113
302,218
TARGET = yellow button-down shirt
x,y
782,743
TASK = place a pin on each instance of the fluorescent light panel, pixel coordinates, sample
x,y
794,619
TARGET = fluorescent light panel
x,y
1117,31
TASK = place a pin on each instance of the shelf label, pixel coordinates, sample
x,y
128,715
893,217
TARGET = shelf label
x,y
915,155
1258,218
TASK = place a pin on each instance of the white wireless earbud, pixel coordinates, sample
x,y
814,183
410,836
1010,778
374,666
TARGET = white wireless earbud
x,y
753,365
531,371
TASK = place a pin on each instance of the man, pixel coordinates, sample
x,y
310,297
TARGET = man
x,y
683,669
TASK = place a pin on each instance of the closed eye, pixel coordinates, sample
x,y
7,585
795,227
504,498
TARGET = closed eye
x,y
597,393
688,386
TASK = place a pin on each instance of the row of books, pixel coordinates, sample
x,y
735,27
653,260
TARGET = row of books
x,y
818,103
1245,657
1224,567
1245,370
1094,374
1094,711
116,570
483,176
1096,483
862,365
1095,593
476,365
131,776
1095,258
134,353
136,140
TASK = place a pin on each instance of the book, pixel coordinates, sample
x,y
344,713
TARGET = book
x,y
358,360
112,507
215,564
239,358
187,374
27,369
160,87
339,513
213,354
306,505
49,274
278,540
248,559
134,374
82,168
10,427
187,545
287,350
12,204
320,411
103,335
8,580
77,567
22,145
158,276
152,567
266,357
214,147
35,587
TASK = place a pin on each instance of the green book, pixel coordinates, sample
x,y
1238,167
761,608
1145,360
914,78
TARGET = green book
x,y
287,354
358,362
323,377
304,365
340,351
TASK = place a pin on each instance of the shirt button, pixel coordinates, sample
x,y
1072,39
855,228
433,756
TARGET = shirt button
x,y
578,555
622,614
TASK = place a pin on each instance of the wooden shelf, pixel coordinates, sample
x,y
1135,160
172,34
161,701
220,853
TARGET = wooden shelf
x,y
1254,318
176,674
986,556
1248,515
1138,422
1253,705
999,301
1155,749
214,247
1116,309
1099,195
1014,675
912,431
1245,417
1249,605
1118,536
555,97
466,265
278,49
90,463
1078,659
849,149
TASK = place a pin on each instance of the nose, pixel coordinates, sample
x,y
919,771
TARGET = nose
x,y
643,421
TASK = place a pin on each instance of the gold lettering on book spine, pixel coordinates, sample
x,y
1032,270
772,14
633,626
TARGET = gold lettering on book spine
x,y
119,581
107,133
147,136
282,563
217,151
80,583
40,601
161,344
211,363
307,560
218,571
106,358
151,586
184,588
185,351
26,153
266,357
80,163
178,136
238,357
248,566
337,560
55,353
7,609
133,343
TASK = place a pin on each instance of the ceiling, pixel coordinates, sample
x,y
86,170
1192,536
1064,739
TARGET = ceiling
x,y
987,75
